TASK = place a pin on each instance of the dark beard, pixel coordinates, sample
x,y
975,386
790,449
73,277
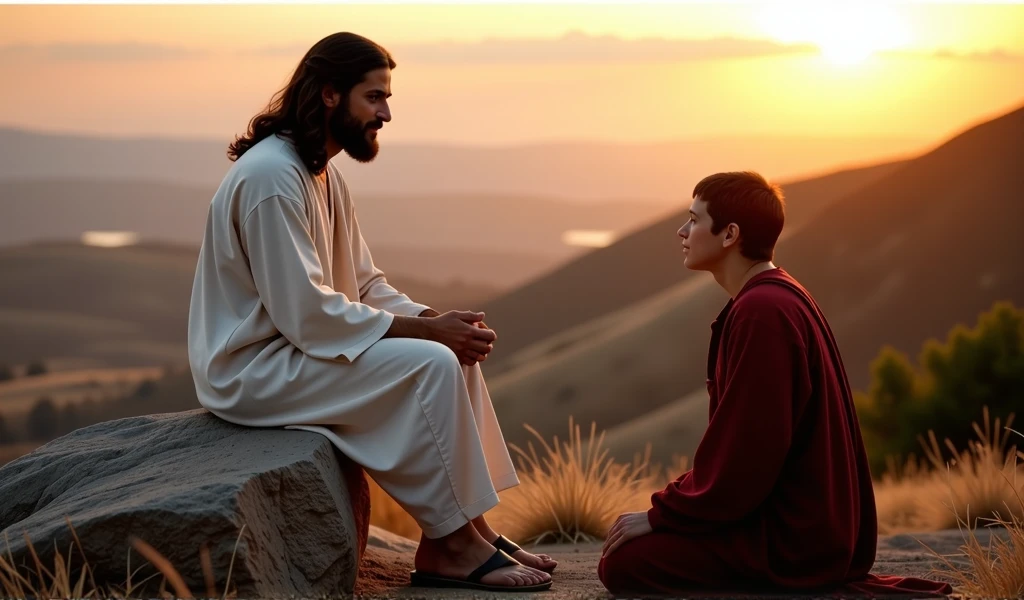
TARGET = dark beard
x,y
350,134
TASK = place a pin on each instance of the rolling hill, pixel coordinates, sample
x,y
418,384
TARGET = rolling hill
x,y
93,307
905,257
496,240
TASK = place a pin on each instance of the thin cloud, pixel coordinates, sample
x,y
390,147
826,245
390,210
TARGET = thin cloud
x,y
119,52
575,48
997,55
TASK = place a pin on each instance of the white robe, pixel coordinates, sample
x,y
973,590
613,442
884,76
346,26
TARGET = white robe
x,y
285,327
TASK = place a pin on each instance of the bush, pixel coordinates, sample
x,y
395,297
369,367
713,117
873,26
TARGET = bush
x,y
36,368
6,373
945,393
43,420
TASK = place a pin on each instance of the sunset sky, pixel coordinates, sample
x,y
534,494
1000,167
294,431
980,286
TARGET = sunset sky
x,y
506,74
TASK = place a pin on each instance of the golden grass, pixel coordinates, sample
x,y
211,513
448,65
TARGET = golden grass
x,y
976,488
995,569
39,581
571,493
981,481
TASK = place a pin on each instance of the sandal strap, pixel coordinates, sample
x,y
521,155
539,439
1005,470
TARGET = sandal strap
x,y
497,560
506,545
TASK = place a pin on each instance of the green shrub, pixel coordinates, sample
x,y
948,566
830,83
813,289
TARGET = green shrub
x,y
946,390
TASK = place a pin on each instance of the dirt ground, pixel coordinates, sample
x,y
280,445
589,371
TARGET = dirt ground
x,y
385,568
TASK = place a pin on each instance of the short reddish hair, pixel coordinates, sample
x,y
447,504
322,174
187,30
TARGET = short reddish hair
x,y
747,199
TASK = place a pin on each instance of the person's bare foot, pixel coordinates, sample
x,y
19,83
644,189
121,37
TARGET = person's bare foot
x,y
459,554
541,562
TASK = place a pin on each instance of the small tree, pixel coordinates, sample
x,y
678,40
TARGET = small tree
x,y
43,420
973,368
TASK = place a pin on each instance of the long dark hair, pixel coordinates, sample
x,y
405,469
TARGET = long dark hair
x,y
341,60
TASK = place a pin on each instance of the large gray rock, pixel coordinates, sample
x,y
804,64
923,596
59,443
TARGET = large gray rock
x,y
181,480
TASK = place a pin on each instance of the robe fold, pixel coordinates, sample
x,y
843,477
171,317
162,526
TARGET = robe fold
x,y
779,495
285,329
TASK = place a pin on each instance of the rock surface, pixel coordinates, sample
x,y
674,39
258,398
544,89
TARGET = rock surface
x,y
183,480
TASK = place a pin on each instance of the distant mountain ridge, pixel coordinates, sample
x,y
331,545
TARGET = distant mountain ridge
x,y
584,171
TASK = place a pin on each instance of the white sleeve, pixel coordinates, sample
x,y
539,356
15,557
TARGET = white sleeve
x,y
318,320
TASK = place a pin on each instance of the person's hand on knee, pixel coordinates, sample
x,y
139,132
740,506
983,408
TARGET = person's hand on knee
x,y
625,528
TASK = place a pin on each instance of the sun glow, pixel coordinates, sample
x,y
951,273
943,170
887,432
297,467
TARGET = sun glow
x,y
846,33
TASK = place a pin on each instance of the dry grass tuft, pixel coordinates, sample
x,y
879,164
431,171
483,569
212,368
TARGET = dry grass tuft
x,y
981,481
164,566
995,570
38,581
977,487
565,494
571,493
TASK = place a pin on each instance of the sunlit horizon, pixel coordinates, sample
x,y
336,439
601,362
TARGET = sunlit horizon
x,y
505,75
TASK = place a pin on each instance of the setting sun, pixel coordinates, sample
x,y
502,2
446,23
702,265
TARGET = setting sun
x,y
845,34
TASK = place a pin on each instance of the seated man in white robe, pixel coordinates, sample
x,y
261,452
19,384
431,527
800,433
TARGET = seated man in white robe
x,y
292,325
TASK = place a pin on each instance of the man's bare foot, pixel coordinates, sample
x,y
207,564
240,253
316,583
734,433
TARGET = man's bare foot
x,y
541,562
459,554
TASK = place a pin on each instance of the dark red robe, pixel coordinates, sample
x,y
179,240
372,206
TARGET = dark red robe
x,y
779,496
